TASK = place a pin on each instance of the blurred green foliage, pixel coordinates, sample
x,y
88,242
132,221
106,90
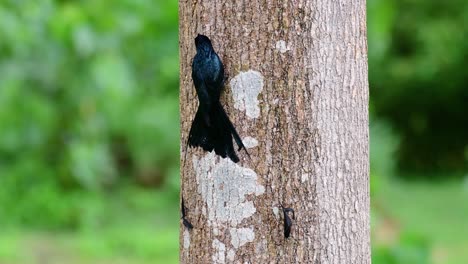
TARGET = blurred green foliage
x,y
89,100
89,130
411,249
417,73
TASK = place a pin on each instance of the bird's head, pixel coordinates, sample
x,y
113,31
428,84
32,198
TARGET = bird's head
x,y
202,42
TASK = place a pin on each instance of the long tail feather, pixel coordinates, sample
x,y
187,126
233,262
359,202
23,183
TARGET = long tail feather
x,y
236,136
215,136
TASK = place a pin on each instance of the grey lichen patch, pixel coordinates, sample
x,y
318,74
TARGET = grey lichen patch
x,y
186,239
281,46
219,251
224,186
246,86
241,236
250,142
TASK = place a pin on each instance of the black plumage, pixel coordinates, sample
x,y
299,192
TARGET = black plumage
x,y
211,128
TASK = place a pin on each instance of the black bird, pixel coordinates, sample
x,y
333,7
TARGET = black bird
x,y
211,127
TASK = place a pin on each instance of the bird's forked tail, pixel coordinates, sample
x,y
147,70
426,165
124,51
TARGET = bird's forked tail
x,y
216,135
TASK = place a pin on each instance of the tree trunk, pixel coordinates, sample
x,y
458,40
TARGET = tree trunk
x,y
297,92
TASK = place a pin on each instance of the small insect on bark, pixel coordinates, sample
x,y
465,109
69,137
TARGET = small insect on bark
x,y
287,222
183,209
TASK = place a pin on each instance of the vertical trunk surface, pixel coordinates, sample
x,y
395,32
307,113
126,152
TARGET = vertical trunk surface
x,y
297,92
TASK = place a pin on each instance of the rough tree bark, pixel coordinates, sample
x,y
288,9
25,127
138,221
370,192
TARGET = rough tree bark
x,y
297,93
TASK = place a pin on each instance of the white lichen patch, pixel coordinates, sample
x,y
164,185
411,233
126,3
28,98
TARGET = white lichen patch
x,y
276,212
186,239
231,255
215,231
246,86
219,251
224,186
241,236
304,177
281,46
250,142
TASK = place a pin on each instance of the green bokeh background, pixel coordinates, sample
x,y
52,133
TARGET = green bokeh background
x,y
89,131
